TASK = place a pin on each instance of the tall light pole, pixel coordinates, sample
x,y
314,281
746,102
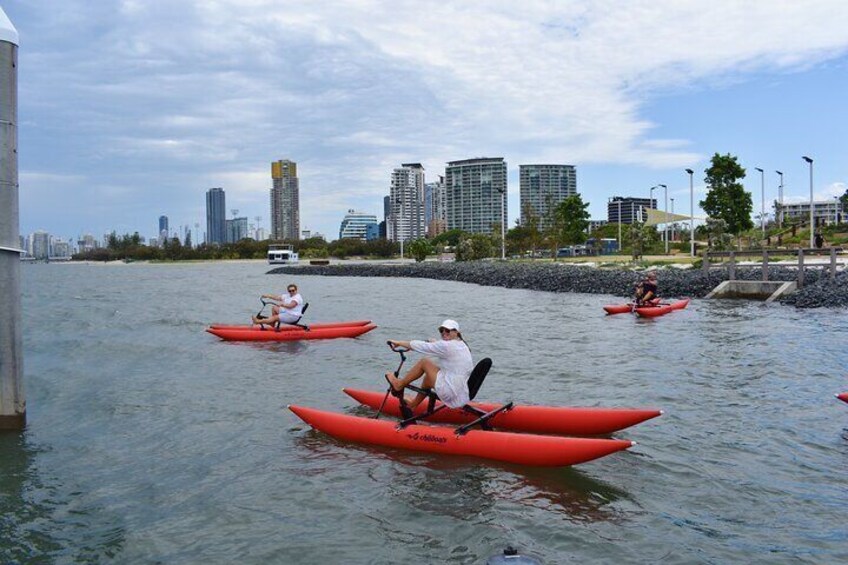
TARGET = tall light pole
x,y
812,226
672,213
763,199
503,222
691,212
609,200
665,223
780,200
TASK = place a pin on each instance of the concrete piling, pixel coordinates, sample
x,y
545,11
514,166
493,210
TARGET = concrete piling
x,y
12,400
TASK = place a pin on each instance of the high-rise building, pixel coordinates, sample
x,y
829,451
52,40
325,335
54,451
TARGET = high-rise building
x,y
627,210
355,225
406,199
285,200
476,195
434,207
542,188
163,227
237,230
216,216
41,245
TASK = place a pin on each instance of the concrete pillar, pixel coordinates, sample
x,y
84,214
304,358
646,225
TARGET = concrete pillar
x,y
12,402
832,263
800,268
765,264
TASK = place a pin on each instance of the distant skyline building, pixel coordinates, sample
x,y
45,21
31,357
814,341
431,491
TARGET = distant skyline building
x,y
372,231
434,207
355,225
542,188
237,230
163,227
632,209
216,216
406,200
476,195
825,212
41,245
285,200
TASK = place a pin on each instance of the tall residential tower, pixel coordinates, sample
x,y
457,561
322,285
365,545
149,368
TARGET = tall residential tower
x,y
285,200
216,216
406,201
542,188
476,195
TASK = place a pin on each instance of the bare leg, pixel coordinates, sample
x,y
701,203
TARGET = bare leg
x,y
424,367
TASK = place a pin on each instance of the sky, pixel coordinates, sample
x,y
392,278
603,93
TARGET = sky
x,y
133,109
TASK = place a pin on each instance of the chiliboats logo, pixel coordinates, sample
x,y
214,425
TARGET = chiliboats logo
x,y
430,438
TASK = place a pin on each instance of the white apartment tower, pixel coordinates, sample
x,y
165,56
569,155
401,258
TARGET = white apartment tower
x,y
476,195
285,200
406,201
543,187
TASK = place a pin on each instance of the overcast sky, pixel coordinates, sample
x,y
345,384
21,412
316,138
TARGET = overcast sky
x,y
133,109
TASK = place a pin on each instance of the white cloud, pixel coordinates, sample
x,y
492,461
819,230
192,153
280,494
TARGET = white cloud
x,y
215,91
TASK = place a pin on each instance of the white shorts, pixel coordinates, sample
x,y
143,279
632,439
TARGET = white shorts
x,y
288,317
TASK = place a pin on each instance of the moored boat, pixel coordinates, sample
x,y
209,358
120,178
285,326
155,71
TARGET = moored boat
x,y
579,421
524,449
293,334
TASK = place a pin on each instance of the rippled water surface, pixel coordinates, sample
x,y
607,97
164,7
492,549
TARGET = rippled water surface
x,y
149,440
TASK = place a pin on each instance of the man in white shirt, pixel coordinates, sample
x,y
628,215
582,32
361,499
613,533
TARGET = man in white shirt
x,y
288,310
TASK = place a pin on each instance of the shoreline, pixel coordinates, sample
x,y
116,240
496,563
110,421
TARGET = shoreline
x,y
818,291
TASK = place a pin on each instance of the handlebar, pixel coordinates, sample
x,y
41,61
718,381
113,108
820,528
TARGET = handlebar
x,y
397,348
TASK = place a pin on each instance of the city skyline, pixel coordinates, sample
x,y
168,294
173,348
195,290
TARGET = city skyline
x,y
118,127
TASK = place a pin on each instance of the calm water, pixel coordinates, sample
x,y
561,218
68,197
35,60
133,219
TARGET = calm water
x,y
151,441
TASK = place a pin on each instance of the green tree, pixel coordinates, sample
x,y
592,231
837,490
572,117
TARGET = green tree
x,y
727,199
569,222
641,238
534,236
474,247
450,238
419,249
717,236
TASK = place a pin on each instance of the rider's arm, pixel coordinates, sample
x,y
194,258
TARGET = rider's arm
x,y
399,343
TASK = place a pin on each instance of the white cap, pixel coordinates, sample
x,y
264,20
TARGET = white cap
x,y
7,30
450,325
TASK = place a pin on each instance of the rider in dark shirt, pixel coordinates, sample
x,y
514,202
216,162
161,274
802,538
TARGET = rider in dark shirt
x,y
647,289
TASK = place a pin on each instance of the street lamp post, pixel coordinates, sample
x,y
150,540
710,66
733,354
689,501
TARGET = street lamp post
x,y
691,212
672,213
503,235
780,200
609,200
812,226
665,218
619,224
763,199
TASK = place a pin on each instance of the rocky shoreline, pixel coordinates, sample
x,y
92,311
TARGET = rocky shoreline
x,y
818,291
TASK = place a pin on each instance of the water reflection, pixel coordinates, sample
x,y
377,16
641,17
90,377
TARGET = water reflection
x,y
35,523
462,487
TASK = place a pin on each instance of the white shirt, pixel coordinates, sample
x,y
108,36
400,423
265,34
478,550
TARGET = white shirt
x,y
455,366
297,310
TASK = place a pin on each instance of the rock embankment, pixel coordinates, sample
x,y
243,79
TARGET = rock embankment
x,y
818,290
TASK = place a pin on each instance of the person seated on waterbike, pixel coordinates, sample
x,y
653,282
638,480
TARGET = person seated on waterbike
x,y
646,290
288,310
449,378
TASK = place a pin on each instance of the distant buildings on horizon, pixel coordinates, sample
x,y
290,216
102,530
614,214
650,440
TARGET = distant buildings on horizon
x,y
470,196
